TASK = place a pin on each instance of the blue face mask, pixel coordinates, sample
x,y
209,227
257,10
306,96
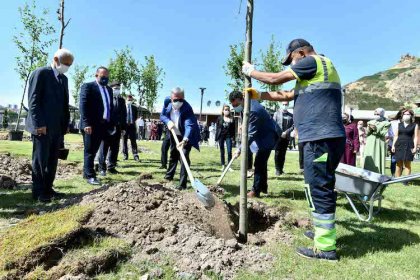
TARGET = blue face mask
x,y
239,108
103,81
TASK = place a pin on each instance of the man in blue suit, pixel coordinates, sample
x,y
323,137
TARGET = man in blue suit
x,y
48,119
96,121
262,137
178,115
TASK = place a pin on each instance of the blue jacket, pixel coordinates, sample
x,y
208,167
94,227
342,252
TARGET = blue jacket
x,y
48,102
262,128
187,123
91,105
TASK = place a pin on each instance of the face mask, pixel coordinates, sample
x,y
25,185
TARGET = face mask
x,y
177,105
103,81
406,118
116,91
62,68
344,121
239,108
226,113
360,126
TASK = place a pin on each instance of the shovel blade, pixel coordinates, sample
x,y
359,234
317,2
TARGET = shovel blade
x,y
203,194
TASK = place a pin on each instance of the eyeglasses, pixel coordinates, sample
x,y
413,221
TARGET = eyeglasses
x,y
178,100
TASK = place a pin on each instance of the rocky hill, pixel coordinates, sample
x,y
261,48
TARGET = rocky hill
x,y
389,89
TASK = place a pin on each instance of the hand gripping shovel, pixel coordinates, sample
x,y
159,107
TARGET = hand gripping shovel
x,y
225,171
202,192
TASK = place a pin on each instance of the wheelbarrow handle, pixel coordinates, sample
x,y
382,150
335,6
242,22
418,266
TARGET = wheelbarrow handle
x,y
402,179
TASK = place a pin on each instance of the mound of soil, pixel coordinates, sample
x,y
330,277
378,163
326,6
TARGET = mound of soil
x,y
164,222
18,170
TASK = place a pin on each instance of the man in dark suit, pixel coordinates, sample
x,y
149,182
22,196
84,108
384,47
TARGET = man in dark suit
x,y
178,115
132,113
96,108
112,142
284,120
47,121
262,136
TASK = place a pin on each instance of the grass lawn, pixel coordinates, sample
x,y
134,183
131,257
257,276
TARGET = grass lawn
x,y
386,248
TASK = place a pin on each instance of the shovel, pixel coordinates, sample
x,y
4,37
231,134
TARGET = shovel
x,y
202,192
225,171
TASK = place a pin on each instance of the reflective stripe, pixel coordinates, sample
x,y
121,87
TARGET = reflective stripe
x,y
325,239
309,197
323,216
313,87
324,226
324,66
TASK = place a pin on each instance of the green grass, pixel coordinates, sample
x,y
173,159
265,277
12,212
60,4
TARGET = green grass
x,y
386,248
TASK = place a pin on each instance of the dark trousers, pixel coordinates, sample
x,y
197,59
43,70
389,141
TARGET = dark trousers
x,y
110,144
228,141
280,154
173,162
166,143
250,159
92,143
300,147
260,174
141,133
393,163
130,133
321,158
44,163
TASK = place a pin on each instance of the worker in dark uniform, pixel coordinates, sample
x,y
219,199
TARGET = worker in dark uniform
x,y
317,119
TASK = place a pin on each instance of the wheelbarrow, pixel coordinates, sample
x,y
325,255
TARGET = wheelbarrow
x,y
365,186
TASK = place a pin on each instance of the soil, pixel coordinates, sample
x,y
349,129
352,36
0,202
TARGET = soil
x,y
15,171
162,222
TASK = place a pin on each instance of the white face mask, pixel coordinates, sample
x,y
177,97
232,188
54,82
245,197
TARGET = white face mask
x,y
406,118
116,91
226,113
177,105
62,68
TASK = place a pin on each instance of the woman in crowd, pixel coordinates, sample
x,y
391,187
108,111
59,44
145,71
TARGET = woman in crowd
x,y
352,141
362,139
391,138
405,143
375,149
154,131
225,133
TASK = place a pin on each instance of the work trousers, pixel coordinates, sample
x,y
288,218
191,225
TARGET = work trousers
x,y
321,158
260,175
130,133
280,153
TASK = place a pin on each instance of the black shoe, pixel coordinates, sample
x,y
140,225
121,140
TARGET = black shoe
x,y
93,181
125,158
168,178
309,234
44,198
136,158
102,173
113,171
278,172
96,167
56,195
163,167
310,253
180,188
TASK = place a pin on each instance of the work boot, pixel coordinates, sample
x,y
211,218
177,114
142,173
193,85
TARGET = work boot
x,y
311,253
136,158
309,234
180,188
163,167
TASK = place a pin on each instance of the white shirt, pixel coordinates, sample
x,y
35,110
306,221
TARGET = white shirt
x,y
141,122
175,114
103,92
56,73
129,113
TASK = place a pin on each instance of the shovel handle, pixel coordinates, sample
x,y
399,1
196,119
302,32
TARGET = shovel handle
x,y
184,159
225,171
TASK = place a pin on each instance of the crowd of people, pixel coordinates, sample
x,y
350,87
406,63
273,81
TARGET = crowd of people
x,y
324,140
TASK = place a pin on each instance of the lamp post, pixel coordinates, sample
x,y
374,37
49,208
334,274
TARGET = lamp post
x,y
201,106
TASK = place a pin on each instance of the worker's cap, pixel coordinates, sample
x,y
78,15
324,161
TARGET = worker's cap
x,y
294,45
115,83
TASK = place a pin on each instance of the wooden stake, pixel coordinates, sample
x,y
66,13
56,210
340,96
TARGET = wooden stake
x,y
243,210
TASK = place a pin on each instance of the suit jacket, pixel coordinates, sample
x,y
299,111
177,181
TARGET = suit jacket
x,y
119,112
134,113
187,123
48,102
91,105
285,127
262,128
219,124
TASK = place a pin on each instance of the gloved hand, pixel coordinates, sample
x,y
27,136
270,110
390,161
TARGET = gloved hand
x,y
182,144
253,93
170,125
247,68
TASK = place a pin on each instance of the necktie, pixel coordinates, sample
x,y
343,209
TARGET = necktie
x,y
106,104
60,79
129,114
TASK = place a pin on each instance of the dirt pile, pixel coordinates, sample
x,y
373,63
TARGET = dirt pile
x,y
18,170
162,222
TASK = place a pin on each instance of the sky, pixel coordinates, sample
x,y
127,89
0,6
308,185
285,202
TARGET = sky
x,y
190,39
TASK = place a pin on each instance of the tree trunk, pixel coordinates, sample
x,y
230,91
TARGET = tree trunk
x,y
21,103
243,211
63,25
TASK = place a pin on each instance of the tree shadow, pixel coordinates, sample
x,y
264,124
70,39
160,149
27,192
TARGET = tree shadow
x,y
288,194
377,239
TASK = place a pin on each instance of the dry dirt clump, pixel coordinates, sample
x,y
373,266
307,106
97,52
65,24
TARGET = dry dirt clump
x,y
18,170
164,222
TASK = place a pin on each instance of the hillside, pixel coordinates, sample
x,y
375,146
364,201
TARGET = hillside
x,y
388,89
